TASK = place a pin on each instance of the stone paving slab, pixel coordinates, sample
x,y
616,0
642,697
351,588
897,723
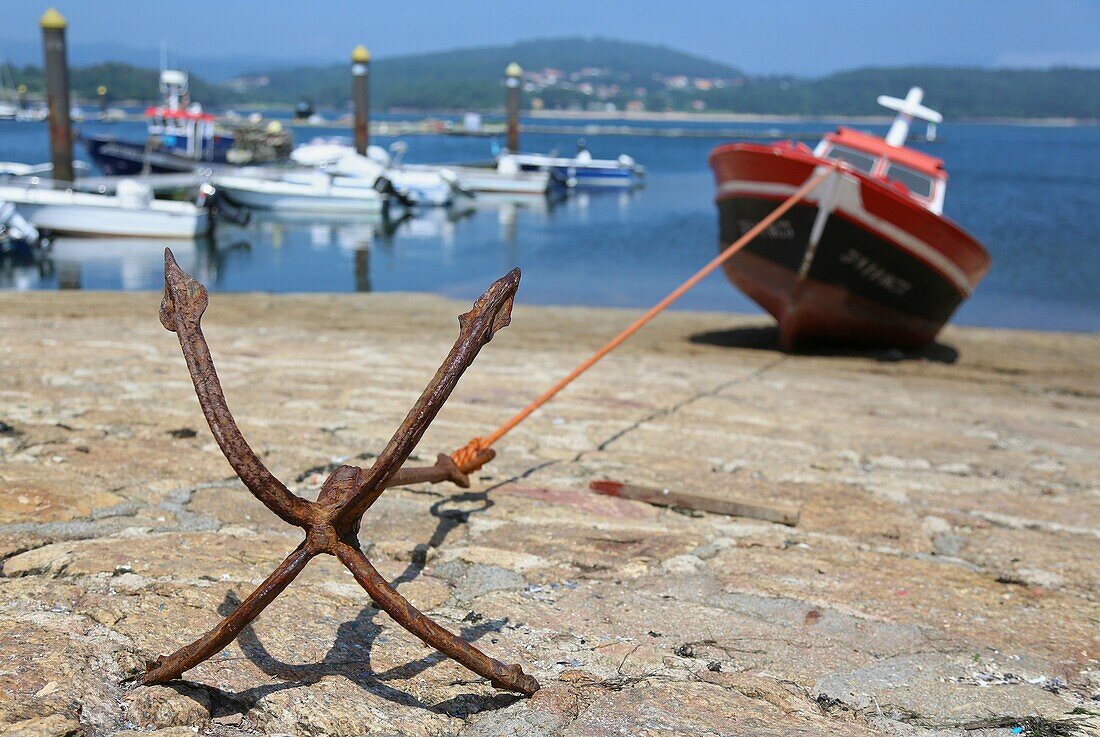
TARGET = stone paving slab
x,y
943,577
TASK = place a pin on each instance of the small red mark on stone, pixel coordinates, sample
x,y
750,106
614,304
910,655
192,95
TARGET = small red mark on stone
x,y
812,617
599,504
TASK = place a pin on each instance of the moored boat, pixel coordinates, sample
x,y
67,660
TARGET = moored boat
x,y
132,212
416,185
504,177
182,137
582,170
867,257
304,192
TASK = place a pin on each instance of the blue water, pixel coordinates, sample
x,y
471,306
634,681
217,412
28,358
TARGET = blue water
x,y
1030,194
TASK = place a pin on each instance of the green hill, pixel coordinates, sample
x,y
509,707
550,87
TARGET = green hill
x,y
957,92
597,73
471,78
124,82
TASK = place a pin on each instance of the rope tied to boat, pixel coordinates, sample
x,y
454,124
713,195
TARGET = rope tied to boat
x,y
475,454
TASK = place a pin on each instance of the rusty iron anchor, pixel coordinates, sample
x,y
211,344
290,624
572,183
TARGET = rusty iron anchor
x,y
331,524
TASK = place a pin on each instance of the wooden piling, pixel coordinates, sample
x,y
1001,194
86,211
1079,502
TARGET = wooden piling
x,y
57,94
360,93
511,104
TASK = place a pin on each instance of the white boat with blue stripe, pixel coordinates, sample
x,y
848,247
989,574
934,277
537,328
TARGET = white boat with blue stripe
x,y
584,171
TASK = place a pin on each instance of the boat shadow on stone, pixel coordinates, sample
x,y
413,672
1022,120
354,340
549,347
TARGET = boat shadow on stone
x,y
766,338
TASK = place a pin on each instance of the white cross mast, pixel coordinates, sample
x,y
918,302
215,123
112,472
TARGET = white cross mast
x,y
908,109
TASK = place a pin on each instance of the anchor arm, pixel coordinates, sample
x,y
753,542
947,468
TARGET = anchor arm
x,y
172,666
490,313
509,677
185,300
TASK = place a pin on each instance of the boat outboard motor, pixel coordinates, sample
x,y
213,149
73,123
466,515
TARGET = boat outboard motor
x,y
13,226
455,183
395,155
219,206
383,185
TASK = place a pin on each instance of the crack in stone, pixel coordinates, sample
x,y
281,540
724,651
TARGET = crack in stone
x,y
677,406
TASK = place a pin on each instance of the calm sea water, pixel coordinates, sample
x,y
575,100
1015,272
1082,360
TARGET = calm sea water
x,y
1031,194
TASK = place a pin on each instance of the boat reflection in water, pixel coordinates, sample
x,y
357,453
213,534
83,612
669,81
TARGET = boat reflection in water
x,y
509,206
105,263
434,250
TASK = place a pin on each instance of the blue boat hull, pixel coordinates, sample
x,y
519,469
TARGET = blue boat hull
x,y
129,158
582,177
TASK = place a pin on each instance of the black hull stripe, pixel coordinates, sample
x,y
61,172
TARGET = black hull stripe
x,y
847,256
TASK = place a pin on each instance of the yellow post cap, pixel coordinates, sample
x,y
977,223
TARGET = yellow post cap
x,y
21,89
513,70
52,19
360,55
101,90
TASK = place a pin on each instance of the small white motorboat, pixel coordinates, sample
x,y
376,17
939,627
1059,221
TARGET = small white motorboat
x,y
583,170
305,192
131,212
423,185
505,177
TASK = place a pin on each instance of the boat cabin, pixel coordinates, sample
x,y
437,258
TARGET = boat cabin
x,y
182,128
186,132
922,177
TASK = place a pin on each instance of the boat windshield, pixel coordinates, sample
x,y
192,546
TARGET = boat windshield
x,y
917,183
859,160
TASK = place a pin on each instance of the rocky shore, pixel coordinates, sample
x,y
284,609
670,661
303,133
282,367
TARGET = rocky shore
x,y
943,578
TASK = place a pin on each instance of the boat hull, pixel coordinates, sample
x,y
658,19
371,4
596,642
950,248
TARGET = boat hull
x,y
125,158
580,174
491,181
136,215
77,220
291,197
878,269
583,177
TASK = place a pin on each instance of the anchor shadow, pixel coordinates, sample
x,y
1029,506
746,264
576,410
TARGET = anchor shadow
x,y
350,653
766,338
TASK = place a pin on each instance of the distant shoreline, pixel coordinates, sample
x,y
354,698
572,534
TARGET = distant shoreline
x,y
726,117
623,116
648,116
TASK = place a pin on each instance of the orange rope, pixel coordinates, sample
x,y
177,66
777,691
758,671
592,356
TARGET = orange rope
x,y
477,448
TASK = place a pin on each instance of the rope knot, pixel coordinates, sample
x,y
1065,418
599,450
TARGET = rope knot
x,y
472,456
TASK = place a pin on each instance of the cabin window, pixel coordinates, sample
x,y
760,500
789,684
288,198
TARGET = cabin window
x,y
917,183
857,159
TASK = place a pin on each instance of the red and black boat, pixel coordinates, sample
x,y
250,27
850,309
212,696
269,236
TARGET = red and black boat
x,y
866,257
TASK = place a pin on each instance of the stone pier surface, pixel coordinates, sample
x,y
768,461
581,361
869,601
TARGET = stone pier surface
x,y
943,578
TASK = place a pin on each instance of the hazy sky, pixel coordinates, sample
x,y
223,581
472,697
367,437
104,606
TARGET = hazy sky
x,y
804,37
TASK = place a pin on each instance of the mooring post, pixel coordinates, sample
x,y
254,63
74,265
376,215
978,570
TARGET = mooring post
x,y
57,94
360,93
511,104
362,268
101,90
